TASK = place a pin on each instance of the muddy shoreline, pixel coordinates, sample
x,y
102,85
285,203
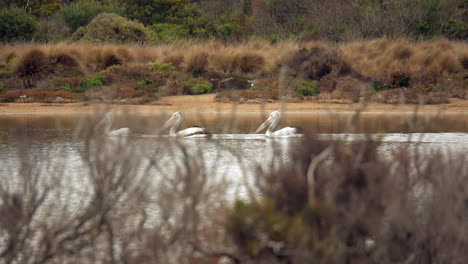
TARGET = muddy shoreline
x,y
207,104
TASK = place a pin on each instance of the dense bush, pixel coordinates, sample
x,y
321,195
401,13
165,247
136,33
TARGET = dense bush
x,y
113,29
200,86
165,32
161,11
163,69
16,25
308,88
79,14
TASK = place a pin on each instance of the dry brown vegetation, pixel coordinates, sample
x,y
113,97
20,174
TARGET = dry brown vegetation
x,y
329,201
428,70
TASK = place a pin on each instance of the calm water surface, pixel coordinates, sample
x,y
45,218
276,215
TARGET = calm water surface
x,y
234,150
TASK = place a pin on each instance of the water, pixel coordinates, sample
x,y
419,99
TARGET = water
x,y
234,151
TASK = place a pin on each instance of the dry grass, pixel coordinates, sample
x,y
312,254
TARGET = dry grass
x,y
31,66
379,59
392,63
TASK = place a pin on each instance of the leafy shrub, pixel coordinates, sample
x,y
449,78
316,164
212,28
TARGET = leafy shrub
x,y
162,11
112,28
16,25
81,13
456,28
378,87
2,88
165,32
45,7
163,69
308,88
200,86
93,83
66,88
146,84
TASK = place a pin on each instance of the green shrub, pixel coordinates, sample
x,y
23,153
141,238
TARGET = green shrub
x,y
81,13
16,25
146,84
308,88
93,82
163,69
162,11
200,86
378,87
165,32
112,28
2,88
455,29
67,88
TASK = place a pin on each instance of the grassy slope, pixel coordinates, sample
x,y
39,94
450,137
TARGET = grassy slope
x,y
382,70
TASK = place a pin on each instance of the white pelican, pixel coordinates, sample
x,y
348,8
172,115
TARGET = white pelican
x,y
192,132
108,119
273,120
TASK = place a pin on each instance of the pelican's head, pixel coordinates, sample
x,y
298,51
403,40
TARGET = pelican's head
x,y
273,118
108,118
177,116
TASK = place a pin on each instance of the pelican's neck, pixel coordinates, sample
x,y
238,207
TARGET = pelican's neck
x,y
272,126
174,127
107,128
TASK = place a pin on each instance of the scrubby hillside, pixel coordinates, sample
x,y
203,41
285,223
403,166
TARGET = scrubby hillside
x,y
382,70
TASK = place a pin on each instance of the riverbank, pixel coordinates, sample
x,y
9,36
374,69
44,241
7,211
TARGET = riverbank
x,y
206,104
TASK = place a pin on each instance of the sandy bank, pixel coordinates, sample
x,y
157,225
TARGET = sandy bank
x,y
206,104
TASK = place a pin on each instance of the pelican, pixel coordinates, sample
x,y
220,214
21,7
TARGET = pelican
x,y
108,119
192,132
273,120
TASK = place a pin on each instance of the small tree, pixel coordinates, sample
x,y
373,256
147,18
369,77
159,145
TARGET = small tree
x,y
16,25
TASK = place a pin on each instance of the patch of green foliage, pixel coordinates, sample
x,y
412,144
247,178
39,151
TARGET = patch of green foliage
x,y
68,88
308,88
456,28
93,82
145,83
2,88
200,86
378,87
16,25
162,11
165,32
79,14
112,28
273,224
163,69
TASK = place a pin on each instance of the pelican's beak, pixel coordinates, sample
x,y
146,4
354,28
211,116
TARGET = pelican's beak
x,y
168,123
267,122
102,122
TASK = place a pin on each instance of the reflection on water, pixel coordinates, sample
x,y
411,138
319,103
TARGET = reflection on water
x,y
246,123
233,151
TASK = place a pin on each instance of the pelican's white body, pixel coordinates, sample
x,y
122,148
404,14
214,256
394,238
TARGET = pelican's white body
x,y
124,131
108,119
191,132
273,121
